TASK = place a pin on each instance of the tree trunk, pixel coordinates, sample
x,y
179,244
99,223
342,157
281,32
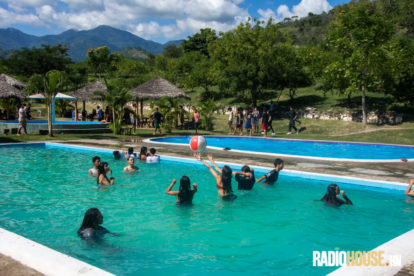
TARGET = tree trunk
x,y
114,120
364,107
76,111
7,108
49,115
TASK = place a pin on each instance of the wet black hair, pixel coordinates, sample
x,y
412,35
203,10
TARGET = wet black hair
x,y
116,154
104,163
153,151
245,168
130,150
101,170
185,194
95,158
93,217
278,162
331,194
226,176
143,150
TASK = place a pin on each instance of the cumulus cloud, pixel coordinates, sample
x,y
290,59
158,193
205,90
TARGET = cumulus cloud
x,y
165,19
302,9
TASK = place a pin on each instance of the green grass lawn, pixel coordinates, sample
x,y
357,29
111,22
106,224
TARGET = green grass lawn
x,y
315,129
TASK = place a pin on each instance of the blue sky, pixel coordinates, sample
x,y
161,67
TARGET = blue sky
x,y
158,20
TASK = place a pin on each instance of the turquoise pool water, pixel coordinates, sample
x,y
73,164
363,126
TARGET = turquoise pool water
x,y
309,148
269,230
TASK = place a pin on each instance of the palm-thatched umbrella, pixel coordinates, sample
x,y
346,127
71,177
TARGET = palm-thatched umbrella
x,y
155,89
12,81
8,91
87,93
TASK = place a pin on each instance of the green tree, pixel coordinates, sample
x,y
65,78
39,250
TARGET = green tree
x,y
49,84
172,51
116,97
359,37
27,62
200,41
206,110
102,61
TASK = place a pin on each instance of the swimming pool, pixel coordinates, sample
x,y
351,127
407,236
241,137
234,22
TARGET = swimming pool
x,y
269,230
342,151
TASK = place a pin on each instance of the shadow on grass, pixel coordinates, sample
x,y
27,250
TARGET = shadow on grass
x,y
6,139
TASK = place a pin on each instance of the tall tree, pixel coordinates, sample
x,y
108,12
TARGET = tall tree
x,y
27,62
200,41
359,36
102,61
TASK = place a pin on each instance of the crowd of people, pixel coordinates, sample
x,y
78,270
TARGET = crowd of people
x,y
255,120
245,178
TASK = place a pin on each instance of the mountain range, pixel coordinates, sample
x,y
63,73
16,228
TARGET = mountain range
x,y
79,42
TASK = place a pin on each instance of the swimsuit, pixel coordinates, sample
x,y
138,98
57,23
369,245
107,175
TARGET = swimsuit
x,y
94,171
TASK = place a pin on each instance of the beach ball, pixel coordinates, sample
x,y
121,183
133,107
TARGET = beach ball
x,y
198,144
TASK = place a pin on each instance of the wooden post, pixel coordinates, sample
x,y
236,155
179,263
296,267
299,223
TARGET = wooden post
x,y
136,113
83,110
7,108
142,108
76,111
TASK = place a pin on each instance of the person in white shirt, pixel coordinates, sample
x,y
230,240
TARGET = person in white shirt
x,y
151,158
22,119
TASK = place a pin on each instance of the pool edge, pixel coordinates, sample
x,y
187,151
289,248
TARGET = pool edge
x,y
44,259
150,140
394,246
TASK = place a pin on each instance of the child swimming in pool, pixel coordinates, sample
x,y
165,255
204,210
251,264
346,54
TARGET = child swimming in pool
x,y
116,154
130,153
152,157
223,178
184,194
332,196
272,176
143,153
410,192
90,228
107,169
131,167
245,178
96,161
102,178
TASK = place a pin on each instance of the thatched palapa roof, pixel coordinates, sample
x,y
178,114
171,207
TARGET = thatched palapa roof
x,y
12,81
9,91
157,88
87,92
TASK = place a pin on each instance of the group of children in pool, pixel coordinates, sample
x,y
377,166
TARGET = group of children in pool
x,y
245,178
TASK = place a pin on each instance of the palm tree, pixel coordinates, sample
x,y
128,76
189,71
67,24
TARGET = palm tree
x,y
116,97
49,85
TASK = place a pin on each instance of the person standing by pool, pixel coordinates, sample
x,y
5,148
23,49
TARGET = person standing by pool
x,y
223,178
22,119
131,167
91,225
230,121
256,118
96,161
196,120
292,118
184,194
248,125
239,126
272,176
157,120
410,192
265,122
99,114
332,196
245,178
102,178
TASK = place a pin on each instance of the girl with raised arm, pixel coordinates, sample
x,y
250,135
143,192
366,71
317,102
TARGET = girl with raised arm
x,y
184,194
102,178
223,178
332,196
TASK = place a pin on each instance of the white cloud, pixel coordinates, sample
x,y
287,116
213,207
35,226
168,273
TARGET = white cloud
x,y
8,18
301,10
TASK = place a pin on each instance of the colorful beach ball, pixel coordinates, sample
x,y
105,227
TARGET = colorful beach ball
x,y
198,144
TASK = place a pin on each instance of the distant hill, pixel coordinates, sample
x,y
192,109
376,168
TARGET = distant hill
x,y
79,42
133,53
